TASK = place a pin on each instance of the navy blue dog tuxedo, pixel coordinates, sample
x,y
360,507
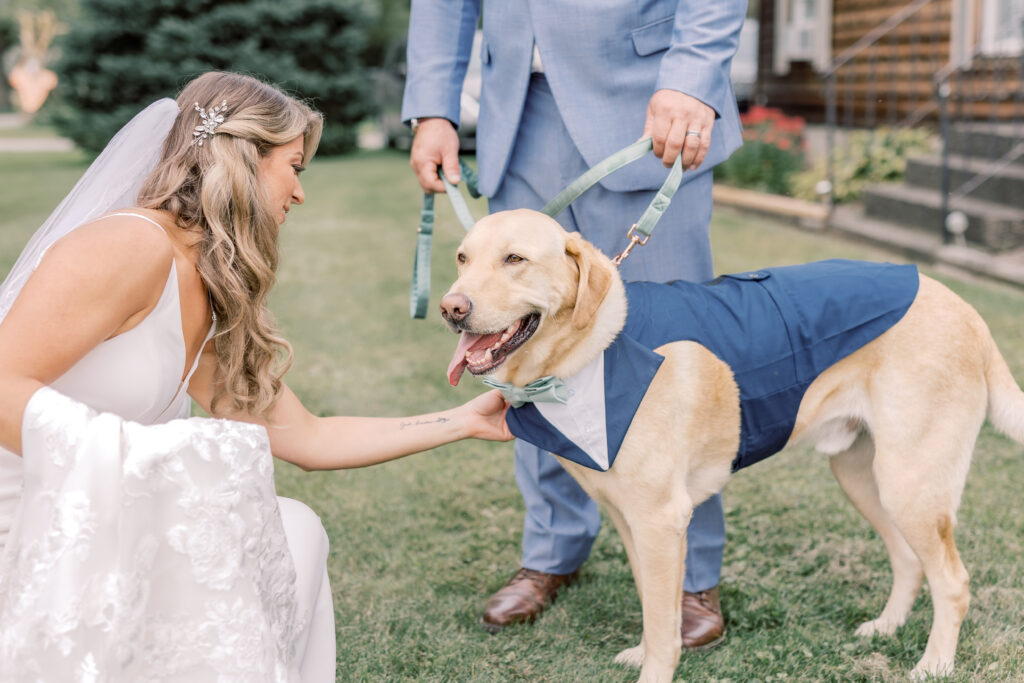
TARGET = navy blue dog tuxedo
x,y
777,330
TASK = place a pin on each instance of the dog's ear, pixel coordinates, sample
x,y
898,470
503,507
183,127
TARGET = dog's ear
x,y
595,279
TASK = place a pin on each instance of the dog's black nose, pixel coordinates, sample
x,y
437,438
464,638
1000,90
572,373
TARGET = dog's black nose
x,y
455,307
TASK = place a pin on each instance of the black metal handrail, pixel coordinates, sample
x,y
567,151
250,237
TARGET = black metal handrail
x,y
845,59
875,34
966,94
954,223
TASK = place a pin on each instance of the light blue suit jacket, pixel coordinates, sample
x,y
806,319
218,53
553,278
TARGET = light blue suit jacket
x,y
603,60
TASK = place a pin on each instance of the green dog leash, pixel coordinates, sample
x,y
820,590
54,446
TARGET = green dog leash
x,y
638,233
419,292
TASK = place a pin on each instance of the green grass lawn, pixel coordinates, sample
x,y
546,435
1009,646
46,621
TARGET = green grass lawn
x,y
419,544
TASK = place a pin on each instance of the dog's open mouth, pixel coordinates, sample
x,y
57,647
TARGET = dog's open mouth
x,y
481,353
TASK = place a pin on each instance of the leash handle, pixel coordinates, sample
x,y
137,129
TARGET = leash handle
x,y
662,199
576,188
419,290
641,230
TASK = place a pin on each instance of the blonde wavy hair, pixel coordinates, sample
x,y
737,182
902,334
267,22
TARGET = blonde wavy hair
x,y
214,190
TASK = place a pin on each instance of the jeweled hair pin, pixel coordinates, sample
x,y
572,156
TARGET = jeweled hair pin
x,y
211,120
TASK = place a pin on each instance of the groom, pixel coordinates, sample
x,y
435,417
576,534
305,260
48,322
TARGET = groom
x,y
565,84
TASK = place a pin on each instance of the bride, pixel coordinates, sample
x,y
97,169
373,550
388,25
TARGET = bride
x,y
140,544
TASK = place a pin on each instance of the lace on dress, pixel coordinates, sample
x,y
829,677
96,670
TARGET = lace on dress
x,y
145,553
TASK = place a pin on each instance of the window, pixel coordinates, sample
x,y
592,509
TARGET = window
x,y
803,32
1002,27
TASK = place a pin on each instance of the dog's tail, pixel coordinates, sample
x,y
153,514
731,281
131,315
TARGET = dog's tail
x,y
1005,398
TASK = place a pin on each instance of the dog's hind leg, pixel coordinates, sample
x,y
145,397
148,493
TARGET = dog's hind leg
x,y
922,502
853,470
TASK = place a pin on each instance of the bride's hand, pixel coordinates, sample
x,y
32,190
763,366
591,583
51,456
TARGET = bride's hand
x,y
486,417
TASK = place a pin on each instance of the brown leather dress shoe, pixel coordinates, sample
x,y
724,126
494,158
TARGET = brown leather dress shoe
x,y
523,598
703,627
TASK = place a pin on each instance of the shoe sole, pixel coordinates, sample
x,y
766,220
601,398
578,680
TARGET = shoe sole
x,y
491,628
496,628
706,646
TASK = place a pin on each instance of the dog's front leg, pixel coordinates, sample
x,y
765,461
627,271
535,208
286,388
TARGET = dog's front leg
x,y
633,656
659,540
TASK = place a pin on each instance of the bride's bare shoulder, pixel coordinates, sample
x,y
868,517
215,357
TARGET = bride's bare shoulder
x,y
116,251
130,241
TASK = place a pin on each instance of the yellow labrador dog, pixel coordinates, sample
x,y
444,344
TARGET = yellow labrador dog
x,y
899,417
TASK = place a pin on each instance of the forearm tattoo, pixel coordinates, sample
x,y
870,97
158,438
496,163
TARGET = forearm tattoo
x,y
417,423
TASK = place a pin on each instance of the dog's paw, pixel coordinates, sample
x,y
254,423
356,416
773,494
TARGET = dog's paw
x,y
633,656
929,668
880,626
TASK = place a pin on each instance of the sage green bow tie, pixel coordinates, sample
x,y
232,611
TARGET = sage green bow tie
x,y
545,389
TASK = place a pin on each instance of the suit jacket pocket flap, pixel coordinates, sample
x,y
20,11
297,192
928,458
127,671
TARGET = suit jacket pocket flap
x,y
755,275
485,51
653,37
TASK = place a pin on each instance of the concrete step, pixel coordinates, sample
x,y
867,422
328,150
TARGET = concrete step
x,y
994,226
916,245
985,140
1005,186
912,243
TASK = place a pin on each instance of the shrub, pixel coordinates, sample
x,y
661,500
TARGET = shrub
x,y
123,54
773,149
867,156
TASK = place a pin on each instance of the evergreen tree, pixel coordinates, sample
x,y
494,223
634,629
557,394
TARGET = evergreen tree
x,y
8,40
123,54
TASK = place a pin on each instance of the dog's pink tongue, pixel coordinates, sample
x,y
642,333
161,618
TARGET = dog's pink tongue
x,y
458,364
470,344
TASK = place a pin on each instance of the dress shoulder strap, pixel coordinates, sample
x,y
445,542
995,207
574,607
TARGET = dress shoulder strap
x,y
137,215
109,215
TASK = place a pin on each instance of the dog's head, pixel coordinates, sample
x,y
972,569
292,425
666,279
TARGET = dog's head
x,y
530,299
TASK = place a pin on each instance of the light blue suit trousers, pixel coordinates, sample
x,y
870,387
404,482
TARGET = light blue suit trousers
x,y
561,520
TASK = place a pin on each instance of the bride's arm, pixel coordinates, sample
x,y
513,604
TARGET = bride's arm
x,y
327,443
89,286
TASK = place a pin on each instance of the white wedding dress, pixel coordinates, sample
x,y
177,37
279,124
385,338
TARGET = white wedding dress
x,y
143,545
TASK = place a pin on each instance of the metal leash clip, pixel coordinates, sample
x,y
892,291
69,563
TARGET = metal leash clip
x,y
634,240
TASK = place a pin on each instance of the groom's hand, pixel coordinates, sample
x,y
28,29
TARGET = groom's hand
x,y
670,116
435,143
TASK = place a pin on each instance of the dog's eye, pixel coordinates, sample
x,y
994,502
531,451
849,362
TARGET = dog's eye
x,y
514,258
460,258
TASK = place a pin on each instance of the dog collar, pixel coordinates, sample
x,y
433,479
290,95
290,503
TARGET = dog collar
x,y
544,389
582,430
